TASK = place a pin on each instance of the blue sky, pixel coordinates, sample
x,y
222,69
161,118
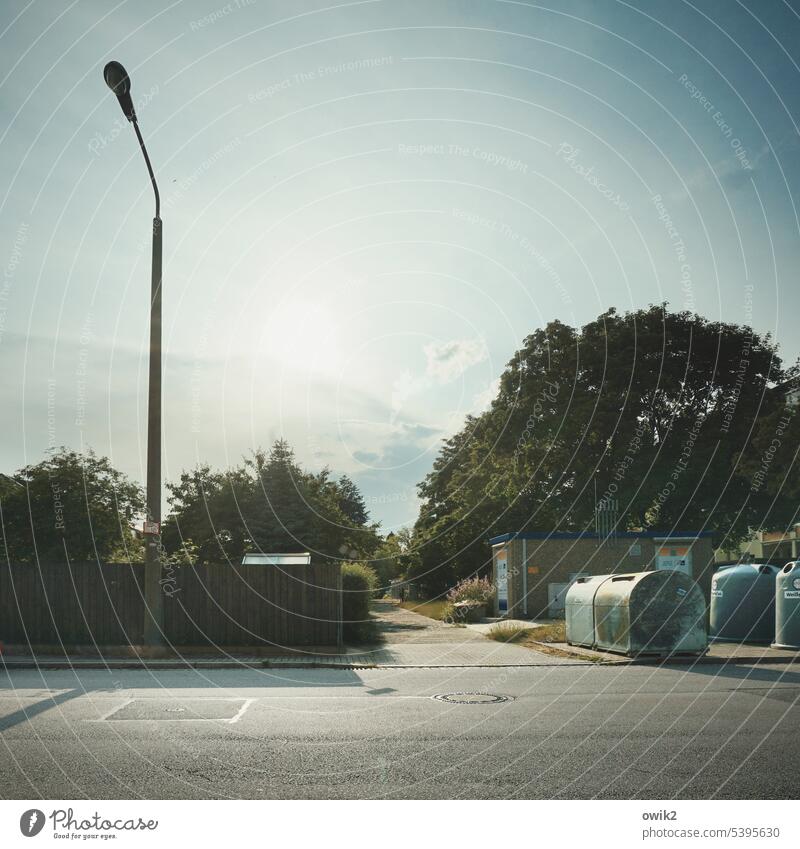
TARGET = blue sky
x,y
367,206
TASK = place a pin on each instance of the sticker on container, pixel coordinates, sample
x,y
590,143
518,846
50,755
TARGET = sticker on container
x,y
791,593
716,593
796,583
681,592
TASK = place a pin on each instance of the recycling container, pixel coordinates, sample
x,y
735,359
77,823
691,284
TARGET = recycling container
x,y
658,612
579,610
787,607
743,603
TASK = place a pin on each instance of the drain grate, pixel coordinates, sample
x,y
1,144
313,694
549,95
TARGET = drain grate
x,y
471,698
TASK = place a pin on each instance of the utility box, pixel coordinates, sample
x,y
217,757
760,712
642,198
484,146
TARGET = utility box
x,y
579,610
660,612
743,603
787,607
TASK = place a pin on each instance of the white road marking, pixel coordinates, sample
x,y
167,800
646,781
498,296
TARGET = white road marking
x,y
106,715
241,711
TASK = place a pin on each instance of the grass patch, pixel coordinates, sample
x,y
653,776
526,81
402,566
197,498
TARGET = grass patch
x,y
553,632
436,609
505,632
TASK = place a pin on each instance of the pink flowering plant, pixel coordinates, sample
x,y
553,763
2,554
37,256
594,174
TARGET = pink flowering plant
x,y
476,590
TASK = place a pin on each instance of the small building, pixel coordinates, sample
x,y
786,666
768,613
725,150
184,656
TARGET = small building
x,y
532,571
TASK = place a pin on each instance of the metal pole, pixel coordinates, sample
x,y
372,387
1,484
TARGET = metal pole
x,y
117,79
154,599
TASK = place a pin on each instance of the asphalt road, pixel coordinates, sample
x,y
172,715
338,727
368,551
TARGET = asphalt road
x,y
568,732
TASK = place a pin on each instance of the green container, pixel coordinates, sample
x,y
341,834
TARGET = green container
x,y
787,607
659,612
743,604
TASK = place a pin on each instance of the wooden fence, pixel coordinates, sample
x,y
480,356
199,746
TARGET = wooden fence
x,y
89,604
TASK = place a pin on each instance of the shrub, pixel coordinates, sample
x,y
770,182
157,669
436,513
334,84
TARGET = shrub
x,y
359,583
472,589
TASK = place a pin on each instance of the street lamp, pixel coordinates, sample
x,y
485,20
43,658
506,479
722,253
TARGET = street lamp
x,y
117,80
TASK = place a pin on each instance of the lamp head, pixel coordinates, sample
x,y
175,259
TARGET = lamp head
x,y
119,82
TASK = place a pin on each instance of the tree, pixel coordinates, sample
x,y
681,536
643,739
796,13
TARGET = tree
x,y
771,467
268,503
205,507
351,502
394,558
69,505
652,411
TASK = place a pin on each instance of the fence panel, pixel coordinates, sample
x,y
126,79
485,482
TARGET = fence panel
x,y
85,604
253,605
71,603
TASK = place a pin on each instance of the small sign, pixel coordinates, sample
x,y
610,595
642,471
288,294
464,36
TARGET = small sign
x,y
151,528
716,593
791,593
533,570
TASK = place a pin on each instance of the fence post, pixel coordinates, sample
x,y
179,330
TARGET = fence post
x,y
340,623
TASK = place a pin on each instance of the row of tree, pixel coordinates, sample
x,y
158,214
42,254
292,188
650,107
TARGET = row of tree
x,y
662,420
77,506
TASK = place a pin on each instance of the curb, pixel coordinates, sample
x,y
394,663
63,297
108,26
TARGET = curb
x,y
211,664
564,659
675,660
272,665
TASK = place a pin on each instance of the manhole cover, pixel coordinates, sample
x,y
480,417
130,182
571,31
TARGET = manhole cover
x,y
472,698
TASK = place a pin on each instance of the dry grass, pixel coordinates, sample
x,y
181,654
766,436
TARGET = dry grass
x,y
505,632
552,632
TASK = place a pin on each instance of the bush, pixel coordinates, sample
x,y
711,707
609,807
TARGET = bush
x,y
472,589
359,583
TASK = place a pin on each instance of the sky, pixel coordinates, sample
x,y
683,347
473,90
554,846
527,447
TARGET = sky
x,y
367,207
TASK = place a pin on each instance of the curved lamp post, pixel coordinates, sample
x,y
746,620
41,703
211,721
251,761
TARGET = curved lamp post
x,y
117,80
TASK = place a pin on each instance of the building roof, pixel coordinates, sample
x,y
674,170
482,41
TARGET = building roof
x,y
302,558
588,535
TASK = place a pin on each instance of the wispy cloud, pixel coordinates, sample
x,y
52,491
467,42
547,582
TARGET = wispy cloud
x,y
449,360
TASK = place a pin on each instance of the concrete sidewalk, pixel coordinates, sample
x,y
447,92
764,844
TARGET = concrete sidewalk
x,y
407,640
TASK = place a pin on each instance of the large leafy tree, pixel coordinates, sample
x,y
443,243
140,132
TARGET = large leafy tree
x,y
646,414
70,505
771,466
394,558
268,503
